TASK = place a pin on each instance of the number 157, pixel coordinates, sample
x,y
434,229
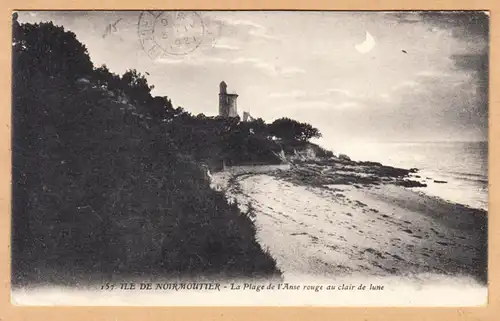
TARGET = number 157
x,y
107,286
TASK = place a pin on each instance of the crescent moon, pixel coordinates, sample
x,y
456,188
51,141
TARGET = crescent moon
x,y
367,45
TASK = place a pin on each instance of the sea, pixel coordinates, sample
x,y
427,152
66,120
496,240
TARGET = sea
x,y
463,165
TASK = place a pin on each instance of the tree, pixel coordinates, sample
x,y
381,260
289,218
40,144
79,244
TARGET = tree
x,y
289,129
49,50
136,86
162,108
105,77
101,191
256,127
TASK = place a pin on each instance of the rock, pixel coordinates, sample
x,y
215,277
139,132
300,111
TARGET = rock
x,y
389,171
409,183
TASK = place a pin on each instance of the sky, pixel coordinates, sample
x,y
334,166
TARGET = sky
x,y
423,78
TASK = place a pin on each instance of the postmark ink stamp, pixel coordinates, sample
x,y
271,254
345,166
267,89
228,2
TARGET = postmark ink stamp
x,y
170,33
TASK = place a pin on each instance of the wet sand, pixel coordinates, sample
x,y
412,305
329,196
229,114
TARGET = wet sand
x,y
422,250
346,230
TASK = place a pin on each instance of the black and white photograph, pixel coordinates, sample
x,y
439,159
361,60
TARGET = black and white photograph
x,y
250,158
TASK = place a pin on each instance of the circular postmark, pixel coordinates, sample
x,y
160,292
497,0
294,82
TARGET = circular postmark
x,y
173,33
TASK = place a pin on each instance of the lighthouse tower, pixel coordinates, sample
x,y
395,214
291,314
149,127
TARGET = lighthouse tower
x,y
227,102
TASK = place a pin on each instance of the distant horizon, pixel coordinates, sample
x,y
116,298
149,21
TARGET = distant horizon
x,y
324,141
420,141
356,75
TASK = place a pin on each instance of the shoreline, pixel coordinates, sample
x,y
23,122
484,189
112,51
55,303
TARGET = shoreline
x,y
381,230
461,164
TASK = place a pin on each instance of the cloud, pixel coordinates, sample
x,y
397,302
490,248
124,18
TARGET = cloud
x,y
257,63
431,73
226,47
476,66
269,68
247,27
408,84
328,96
347,104
290,94
301,106
462,23
406,17
192,60
450,104
239,22
261,33
472,62
340,91
319,101
316,104
292,70
324,105
430,78
198,60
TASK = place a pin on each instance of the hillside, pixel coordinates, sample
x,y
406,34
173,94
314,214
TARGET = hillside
x,y
102,189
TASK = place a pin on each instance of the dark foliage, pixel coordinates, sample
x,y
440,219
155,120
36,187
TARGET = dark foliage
x,y
103,188
289,129
49,51
214,140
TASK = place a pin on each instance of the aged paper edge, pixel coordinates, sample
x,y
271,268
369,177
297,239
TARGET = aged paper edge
x,y
10,312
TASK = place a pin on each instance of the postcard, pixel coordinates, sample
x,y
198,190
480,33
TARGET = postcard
x,y
250,158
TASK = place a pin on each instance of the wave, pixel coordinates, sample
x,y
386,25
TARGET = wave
x,y
469,177
468,174
481,181
463,165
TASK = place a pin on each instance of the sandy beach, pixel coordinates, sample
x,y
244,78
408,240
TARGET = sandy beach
x,y
345,230
408,248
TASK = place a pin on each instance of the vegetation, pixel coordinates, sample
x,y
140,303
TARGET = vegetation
x,y
292,130
214,140
107,179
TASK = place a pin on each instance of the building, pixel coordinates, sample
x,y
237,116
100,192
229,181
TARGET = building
x,y
227,102
247,116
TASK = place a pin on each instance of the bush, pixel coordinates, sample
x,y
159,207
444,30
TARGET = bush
x,y
101,192
289,129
